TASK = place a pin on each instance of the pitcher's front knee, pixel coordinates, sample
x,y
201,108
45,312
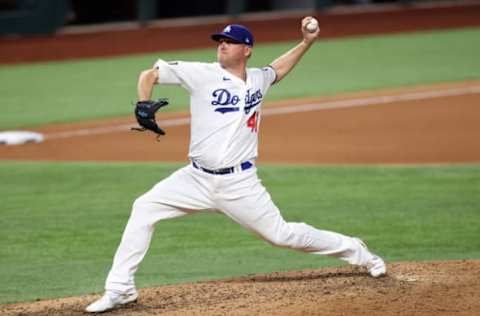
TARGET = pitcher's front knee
x,y
140,214
139,203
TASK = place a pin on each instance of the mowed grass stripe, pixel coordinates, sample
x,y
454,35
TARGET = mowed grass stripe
x,y
60,223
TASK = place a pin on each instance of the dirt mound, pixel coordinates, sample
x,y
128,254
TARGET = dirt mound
x,y
410,288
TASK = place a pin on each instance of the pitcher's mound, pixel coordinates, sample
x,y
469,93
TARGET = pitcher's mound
x,y
410,288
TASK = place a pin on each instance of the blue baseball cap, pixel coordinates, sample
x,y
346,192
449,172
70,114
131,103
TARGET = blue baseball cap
x,y
237,33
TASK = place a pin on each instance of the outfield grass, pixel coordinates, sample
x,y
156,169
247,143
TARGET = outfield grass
x,y
60,223
37,94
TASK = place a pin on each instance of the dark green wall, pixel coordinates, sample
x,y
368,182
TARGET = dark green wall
x,y
33,17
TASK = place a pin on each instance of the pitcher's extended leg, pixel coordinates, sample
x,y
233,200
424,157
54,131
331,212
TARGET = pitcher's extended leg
x,y
181,193
251,206
135,243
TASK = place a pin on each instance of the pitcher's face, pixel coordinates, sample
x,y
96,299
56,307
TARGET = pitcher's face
x,y
232,53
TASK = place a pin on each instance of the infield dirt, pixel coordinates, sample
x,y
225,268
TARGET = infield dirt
x,y
432,130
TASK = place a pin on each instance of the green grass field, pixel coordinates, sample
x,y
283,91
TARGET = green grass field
x,y
61,222
73,91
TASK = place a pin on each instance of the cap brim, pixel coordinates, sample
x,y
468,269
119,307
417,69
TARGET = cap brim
x,y
218,36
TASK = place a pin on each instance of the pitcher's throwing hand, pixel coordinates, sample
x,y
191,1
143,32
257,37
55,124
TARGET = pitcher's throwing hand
x,y
226,100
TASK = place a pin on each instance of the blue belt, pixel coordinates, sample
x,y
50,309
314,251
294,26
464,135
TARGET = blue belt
x,y
243,166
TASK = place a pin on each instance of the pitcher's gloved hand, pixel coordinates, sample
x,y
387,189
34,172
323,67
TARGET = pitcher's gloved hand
x,y
145,114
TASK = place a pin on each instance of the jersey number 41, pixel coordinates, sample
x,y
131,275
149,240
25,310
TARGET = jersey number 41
x,y
252,122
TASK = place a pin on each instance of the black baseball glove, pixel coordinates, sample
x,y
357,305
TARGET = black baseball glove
x,y
145,114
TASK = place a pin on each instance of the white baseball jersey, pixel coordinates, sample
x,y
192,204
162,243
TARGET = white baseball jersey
x,y
225,114
225,110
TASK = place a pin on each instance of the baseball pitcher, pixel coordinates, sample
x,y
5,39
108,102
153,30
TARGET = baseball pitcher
x,y
225,104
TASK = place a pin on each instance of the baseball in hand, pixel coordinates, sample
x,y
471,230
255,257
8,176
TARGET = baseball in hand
x,y
312,25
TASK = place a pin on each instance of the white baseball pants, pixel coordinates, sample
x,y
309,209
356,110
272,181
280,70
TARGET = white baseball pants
x,y
240,196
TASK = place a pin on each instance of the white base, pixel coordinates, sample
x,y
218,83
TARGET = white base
x,y
20,137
